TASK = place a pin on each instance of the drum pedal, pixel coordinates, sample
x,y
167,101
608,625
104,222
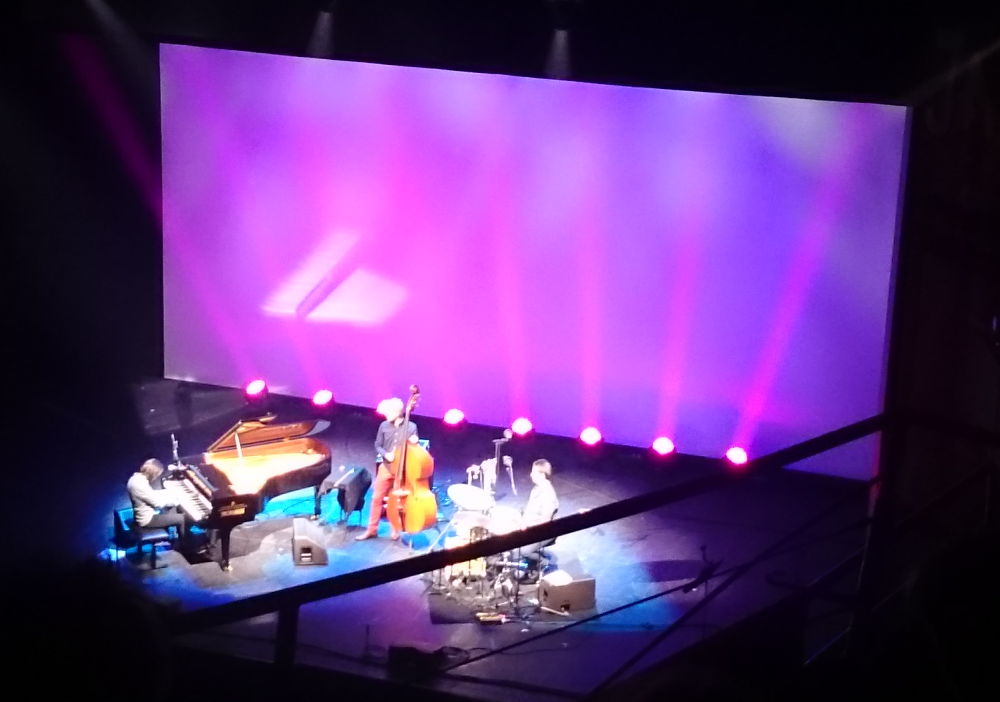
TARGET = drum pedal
x,y
491,617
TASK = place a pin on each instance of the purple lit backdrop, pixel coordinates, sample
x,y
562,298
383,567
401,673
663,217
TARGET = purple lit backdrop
x,y
711,267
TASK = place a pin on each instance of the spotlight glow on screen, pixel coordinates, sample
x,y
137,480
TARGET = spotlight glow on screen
x,y
714,268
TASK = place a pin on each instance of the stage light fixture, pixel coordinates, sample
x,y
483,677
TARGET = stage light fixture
x,y
737,455
256,389
565,13
557,63
255,394
454,416
663,445
521,426
322,398
321,39
591,436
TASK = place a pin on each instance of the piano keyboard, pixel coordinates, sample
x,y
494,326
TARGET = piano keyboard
x,y
194,504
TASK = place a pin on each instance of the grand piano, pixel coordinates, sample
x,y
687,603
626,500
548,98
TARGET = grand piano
x,y
256,459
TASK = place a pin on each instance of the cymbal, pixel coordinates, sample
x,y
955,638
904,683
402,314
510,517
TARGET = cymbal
x,y
469,497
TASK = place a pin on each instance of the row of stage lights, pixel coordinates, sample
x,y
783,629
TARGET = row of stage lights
x,y
256,391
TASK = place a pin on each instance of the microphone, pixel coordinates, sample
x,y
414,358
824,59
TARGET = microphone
x,y
507,436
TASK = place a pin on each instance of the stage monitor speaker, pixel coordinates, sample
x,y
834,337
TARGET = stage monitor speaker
x,y
562,592
307,543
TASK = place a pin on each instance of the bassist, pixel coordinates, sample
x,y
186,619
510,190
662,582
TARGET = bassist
x,y
387,442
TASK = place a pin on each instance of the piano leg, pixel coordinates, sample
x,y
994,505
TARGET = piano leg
x,y
224,563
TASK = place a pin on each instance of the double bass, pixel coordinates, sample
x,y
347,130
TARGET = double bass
x,y
411,506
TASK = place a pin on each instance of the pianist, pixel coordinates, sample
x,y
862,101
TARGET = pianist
x,y
154,508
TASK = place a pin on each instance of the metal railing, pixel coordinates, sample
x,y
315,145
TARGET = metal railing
x,y
287,602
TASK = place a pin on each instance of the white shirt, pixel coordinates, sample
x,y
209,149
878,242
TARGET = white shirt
x,y
146,500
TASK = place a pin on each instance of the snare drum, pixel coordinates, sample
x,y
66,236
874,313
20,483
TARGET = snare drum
x,y
504,520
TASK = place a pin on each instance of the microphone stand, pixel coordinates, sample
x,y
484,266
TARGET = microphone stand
x,y
176,457
497,443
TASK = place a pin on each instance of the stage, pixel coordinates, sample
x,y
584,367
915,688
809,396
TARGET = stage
x,y
629,560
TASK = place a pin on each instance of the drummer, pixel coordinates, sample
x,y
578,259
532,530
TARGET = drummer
x,y
540,508
542,501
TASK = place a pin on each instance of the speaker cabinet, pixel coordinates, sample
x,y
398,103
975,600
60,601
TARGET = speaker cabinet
x,y
307,543
562,592
351,496
351,485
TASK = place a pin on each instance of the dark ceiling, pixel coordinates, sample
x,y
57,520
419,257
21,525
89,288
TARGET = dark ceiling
x,y
880,51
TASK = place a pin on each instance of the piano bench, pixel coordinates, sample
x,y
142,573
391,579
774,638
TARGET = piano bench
x,y
129,534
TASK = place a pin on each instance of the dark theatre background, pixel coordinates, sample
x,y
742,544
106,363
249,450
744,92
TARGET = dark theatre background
x,y
84,298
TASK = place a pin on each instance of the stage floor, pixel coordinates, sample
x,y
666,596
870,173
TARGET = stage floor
x,y
630,559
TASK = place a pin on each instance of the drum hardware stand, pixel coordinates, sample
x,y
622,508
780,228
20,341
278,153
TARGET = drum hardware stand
x,y
510,565
517,583
437,575
436,582
442,533
477,534
504,605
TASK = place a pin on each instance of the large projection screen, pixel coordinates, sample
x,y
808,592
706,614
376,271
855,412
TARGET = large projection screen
x,y
715,268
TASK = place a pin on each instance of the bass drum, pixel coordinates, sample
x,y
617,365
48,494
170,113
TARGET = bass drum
x,y
476,568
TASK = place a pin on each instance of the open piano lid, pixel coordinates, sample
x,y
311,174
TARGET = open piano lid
x,y
262,430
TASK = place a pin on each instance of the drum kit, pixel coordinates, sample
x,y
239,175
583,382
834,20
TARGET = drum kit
x,y
477,517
